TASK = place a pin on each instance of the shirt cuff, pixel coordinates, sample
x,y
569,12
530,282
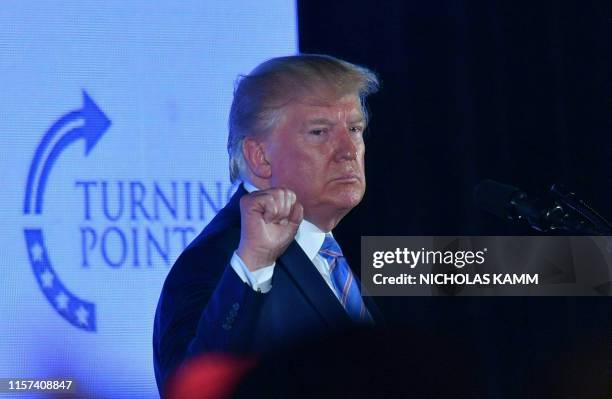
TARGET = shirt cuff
x,y
260,280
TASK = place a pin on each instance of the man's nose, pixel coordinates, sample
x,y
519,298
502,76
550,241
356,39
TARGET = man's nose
x,y
346,150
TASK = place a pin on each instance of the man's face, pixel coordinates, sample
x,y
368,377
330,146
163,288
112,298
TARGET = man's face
x,y
317,150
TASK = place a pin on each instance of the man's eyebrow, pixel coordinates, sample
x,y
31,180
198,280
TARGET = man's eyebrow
x,y
320,121
326,121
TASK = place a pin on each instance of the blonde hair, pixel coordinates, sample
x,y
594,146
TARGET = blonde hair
x,y
259,96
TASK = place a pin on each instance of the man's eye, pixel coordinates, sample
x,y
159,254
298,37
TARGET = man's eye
x,y
317,132
356,129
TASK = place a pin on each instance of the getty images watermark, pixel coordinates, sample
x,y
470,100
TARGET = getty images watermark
x,y
486,266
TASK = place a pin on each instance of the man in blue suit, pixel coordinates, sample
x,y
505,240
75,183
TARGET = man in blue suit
x,y
267,271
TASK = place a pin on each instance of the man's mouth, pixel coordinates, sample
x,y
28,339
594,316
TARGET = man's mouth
x,y
348,178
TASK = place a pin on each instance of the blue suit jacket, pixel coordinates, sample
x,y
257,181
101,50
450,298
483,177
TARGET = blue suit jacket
x,y
205,307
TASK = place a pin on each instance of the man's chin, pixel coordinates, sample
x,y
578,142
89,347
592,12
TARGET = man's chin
x,y
349,198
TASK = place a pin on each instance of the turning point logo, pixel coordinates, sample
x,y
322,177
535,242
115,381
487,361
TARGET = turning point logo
x,y
87,124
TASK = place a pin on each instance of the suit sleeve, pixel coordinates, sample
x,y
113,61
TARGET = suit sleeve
x,y
229,319
203,307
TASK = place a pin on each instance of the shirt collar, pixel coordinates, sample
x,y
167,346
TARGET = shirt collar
x,y
249,187
309,237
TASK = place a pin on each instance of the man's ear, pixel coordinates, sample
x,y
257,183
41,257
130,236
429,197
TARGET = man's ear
x,y
255,156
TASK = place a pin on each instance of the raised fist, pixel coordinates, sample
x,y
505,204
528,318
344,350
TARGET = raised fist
x,y
269,222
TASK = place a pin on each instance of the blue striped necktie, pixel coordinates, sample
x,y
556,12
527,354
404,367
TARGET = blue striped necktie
x,y
343,280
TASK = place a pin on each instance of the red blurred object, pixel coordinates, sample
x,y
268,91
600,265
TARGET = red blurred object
x,y
210,376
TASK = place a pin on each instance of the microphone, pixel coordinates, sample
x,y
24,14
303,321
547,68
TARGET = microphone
x,y
565,212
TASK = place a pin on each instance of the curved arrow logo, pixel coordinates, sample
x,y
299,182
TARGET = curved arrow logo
x,y
88,124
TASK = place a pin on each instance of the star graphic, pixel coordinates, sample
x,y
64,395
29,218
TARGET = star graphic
x,y
82,314
36,250
47,278
61,300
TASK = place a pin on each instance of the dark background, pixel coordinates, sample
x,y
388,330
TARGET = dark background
x,y
519,92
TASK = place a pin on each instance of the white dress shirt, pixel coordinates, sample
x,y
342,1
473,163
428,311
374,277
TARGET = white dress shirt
x,y
309,237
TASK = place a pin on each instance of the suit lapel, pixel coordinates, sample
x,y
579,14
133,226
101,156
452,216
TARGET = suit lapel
x,y
373,309
311,284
